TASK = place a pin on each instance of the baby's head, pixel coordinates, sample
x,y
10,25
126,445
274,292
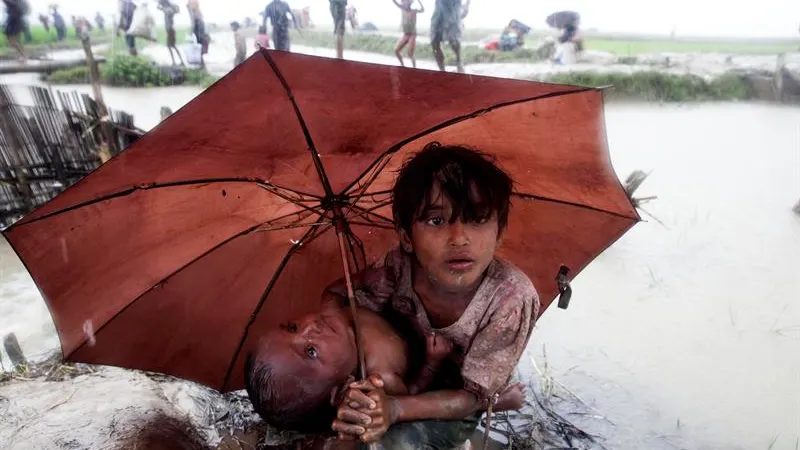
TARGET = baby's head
x,y
262,29
298,368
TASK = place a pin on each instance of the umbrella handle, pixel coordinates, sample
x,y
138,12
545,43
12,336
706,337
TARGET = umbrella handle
x,y
352,301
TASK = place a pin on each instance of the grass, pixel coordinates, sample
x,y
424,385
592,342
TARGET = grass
x,y
384,45
42,40
662,87
635,47
127,71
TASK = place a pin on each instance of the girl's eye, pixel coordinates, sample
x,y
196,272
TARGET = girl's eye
x,y
435,221
292,328
311,352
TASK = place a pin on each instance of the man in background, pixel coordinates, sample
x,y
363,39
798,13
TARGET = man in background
x,y
339,15
170,9
278,13
14,26
446,26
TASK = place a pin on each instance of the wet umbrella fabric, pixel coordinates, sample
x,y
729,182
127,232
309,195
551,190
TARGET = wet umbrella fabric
x,y
234,213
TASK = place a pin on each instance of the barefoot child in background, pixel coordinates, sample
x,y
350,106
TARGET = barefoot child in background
x,y
450,207
409,23
239,43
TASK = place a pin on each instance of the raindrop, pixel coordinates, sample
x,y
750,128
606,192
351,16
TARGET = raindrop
x,y
88,329
294,242
224,194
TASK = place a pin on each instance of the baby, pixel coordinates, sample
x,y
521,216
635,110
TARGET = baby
x,y
296,375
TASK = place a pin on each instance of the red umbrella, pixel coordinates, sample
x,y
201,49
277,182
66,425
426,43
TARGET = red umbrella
x,y
234,213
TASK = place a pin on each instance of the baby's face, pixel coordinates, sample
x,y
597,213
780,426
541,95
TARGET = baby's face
x,y
314,347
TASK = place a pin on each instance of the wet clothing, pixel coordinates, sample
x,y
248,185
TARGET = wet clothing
x,y
339,15
446,21
198,25
489,337
409,22
60,26
278,14
127,9
14,18
169,14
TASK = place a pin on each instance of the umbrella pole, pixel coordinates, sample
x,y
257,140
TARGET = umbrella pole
x,y
352,301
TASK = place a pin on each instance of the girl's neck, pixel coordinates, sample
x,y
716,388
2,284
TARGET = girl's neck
x,y
430,291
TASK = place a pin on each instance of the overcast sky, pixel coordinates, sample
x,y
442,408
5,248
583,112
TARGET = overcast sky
x,y
765,18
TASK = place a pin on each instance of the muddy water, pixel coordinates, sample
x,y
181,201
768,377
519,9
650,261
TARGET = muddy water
x,y
684,334
687,334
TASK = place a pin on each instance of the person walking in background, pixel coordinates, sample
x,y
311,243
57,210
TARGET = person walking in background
x,y
100,21
339,14
278,13
59,24
198,28
25,7
45,21
446,26
14,26
170,9
352,17
409,24
127,10
239,43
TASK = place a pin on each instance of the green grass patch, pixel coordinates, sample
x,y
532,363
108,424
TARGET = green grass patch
x,y
129,71
45,41
375,43
635,47
661,87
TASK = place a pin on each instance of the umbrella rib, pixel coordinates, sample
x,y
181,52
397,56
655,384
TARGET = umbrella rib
x,y
306,133
150,186
173,273
307,238
366,213
577,205
462,118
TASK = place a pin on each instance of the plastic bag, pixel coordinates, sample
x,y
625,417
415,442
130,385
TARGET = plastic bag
x,y
143,24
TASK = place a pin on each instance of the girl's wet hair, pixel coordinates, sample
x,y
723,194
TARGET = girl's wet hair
x,y
475,186
286,402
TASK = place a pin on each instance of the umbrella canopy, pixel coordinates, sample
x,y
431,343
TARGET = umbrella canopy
x,y
222,221
563,18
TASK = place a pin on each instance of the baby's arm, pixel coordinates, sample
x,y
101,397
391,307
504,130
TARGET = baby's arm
x,y
437,348
393,384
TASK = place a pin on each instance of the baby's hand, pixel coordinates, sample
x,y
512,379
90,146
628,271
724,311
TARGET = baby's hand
x,y
437,348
